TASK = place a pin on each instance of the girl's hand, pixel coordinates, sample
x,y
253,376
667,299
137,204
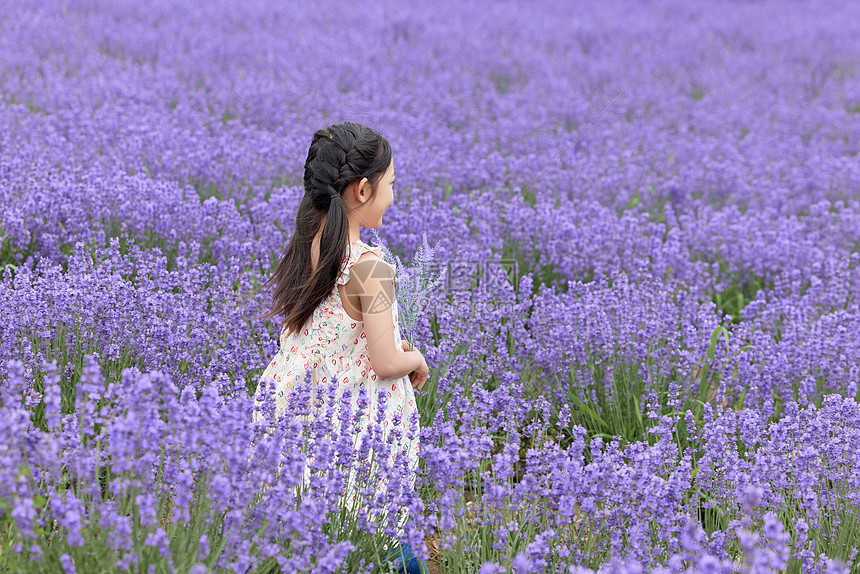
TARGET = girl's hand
x,y
419,376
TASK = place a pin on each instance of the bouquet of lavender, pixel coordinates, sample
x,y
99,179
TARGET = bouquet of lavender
x,y
413,284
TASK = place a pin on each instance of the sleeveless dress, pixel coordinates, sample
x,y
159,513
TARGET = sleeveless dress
x,y
332,342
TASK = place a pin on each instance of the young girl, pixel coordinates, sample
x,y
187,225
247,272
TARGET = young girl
x,y
336,292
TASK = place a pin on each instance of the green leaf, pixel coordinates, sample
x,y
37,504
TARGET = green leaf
x,y
715,336
638,411
24,469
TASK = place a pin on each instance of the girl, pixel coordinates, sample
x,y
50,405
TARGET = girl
x,y
336,292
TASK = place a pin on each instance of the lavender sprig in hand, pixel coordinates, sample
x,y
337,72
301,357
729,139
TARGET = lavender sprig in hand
x,y
413,284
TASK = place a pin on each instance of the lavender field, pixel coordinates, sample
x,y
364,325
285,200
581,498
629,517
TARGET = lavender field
x,y
645,357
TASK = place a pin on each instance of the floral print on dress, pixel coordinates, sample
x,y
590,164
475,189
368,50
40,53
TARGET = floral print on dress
x,y
333,343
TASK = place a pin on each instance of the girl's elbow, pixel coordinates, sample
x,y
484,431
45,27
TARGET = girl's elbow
x,y
383,372
383,369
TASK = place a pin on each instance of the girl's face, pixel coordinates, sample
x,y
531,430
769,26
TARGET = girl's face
x,y
370,211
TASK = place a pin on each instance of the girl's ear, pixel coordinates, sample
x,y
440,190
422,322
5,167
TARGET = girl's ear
x,y
364,189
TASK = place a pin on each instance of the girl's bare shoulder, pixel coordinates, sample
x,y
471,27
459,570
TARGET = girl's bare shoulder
x,y
372,266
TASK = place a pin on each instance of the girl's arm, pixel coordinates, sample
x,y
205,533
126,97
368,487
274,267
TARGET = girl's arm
x,y
376,294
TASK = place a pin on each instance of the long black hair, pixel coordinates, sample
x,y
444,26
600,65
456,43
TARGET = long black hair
x,y
339,155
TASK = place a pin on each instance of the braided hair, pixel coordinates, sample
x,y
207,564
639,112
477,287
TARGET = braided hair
x,y
339,155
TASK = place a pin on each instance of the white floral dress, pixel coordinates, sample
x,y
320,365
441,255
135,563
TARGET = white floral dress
x,y
334,343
